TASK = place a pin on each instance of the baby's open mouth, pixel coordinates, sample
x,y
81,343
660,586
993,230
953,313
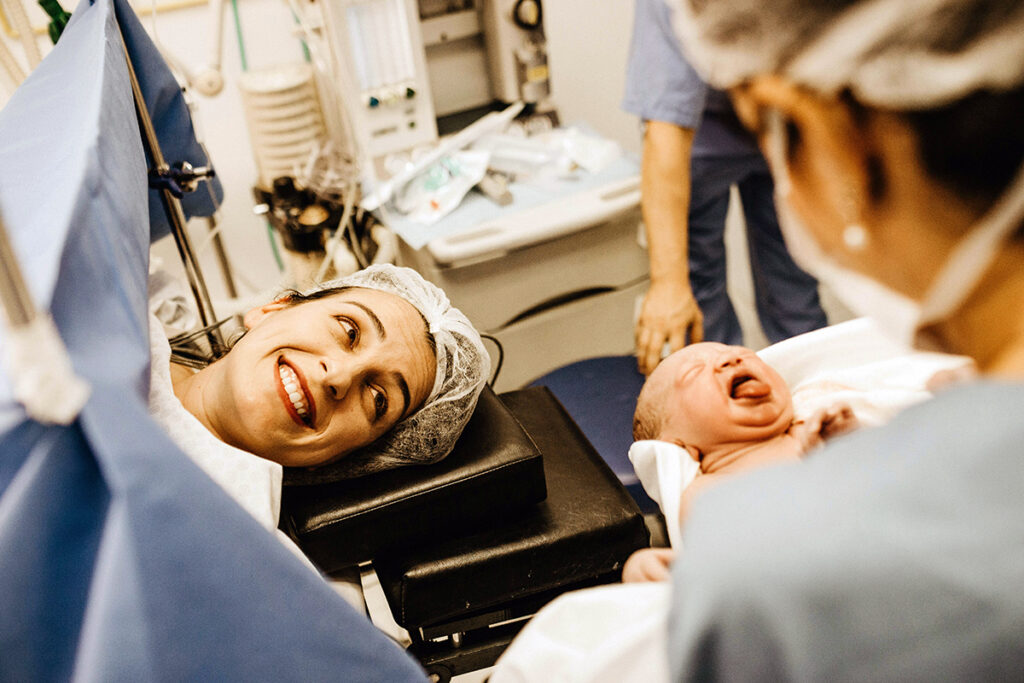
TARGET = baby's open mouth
x,y
295,395
748,386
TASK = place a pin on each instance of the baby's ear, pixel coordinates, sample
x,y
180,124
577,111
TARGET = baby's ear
x,y
254,316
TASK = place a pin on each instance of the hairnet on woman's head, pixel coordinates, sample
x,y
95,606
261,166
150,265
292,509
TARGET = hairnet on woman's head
x,y
429,434
902,54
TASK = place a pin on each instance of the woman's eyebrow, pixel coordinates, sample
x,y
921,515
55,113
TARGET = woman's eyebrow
x,y
373,318
404,386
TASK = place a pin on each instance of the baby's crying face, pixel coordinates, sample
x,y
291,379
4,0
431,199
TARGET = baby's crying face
x,y
716,395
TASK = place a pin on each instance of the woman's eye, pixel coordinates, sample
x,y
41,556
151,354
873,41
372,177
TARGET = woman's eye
x,y
380,403
349,328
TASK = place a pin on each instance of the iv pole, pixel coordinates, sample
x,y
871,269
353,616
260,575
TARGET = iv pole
x,y
172,208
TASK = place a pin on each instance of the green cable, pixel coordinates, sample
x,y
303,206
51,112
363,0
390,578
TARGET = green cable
x,y
273,247
58,18
238,33
305,47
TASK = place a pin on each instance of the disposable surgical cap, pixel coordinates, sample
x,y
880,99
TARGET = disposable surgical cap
x,y
429,434
900,54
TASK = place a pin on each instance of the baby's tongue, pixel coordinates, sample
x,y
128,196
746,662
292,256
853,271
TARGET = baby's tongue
x,y
751,388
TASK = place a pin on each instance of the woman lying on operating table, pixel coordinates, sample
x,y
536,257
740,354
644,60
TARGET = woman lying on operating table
x,y
370,372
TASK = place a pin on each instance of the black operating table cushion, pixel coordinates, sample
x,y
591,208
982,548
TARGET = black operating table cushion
x,y
494,470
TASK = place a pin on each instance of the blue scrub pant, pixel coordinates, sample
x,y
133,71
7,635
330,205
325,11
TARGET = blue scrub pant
x,y
785,296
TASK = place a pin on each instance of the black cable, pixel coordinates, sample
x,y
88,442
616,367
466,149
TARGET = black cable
x,y
501,358
186,351
189,336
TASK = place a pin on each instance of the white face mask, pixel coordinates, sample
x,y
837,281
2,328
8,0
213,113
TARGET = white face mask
x,y
899,316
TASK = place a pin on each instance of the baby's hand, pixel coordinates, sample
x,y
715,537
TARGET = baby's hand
x,y
648,564
824,424
837,420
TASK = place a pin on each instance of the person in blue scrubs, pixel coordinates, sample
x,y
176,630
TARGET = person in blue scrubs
x,y
694,151
893,130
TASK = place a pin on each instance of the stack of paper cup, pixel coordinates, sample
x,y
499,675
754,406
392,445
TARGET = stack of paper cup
x,y
285,120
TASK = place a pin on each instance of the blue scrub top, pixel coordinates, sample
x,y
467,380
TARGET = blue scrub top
x,y
894,554
662,86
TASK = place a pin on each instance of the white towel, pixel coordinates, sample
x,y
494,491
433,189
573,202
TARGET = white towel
x,y
857,364
664,470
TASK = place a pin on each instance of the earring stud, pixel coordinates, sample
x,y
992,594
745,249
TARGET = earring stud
x,y
855,237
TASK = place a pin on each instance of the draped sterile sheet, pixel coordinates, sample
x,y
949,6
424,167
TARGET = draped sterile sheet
x,y
119,558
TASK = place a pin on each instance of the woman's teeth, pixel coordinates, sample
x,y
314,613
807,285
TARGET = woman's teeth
x,y
291,385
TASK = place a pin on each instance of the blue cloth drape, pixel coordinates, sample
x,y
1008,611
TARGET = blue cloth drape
x,y
120,559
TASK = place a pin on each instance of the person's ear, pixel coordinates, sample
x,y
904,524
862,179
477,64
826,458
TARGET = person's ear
x,y
830,129
254,316
832,155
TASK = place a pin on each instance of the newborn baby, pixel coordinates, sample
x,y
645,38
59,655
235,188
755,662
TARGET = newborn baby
x,y
731,412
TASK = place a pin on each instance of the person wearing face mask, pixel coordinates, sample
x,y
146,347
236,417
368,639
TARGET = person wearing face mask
x,y
893,130
694,151
370,372
729,412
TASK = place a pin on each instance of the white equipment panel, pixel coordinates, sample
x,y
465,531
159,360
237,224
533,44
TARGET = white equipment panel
x,y
378,50
555,284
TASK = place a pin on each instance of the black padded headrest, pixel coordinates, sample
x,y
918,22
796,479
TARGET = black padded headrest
x,y
494,469
582,532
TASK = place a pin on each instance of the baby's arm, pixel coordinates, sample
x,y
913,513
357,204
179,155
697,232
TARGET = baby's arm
x,y
801,437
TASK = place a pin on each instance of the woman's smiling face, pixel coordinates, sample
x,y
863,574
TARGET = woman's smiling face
x,y
314,381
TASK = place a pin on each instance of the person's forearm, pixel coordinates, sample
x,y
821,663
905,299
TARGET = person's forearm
x,y
669,314
665,203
